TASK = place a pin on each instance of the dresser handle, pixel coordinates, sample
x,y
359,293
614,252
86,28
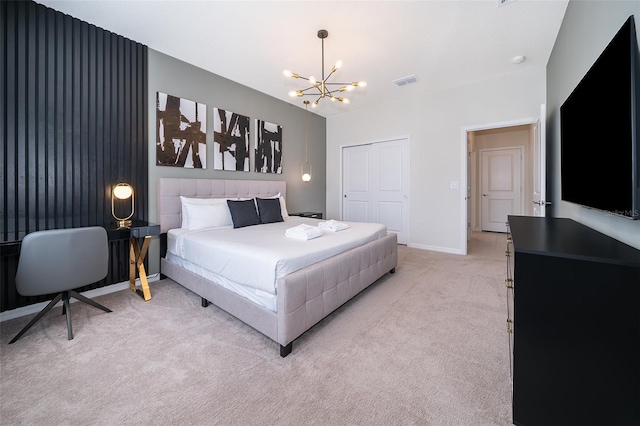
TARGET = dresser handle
x,y
508,283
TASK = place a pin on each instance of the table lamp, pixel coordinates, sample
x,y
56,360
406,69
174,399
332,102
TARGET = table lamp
x,y
122,191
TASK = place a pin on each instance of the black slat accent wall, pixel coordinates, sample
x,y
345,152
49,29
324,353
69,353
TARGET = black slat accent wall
x,y
73,122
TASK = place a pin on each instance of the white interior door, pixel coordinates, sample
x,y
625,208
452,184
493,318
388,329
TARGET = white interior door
x,y
355,181
540,165
390,180
501,183
376,185
471,189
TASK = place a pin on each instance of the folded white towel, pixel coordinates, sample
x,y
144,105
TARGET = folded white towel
x,y
333,225
303,232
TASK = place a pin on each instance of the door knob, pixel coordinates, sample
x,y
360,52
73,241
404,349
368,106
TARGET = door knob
x,y
485,195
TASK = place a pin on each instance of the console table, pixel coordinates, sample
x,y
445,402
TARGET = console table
x,y
575,324
138,230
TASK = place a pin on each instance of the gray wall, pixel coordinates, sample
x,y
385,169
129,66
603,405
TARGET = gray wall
x,y
587,28
178,78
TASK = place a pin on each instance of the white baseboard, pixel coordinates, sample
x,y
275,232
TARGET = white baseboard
x,y
436,248
37,307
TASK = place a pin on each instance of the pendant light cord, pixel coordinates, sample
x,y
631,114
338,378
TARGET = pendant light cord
x,y
306,131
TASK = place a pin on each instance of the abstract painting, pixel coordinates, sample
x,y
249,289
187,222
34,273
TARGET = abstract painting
x,y
181,132
230,141
268,148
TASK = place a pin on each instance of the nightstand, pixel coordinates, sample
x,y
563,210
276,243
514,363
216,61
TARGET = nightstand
x,y
314,215
138,230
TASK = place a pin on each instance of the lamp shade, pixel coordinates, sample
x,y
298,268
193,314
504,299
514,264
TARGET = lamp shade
x,y
122,191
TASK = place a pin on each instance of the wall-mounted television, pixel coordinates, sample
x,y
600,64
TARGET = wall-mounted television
x,y
599,124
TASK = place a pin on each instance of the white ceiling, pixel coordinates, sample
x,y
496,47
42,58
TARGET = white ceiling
x,y
445,43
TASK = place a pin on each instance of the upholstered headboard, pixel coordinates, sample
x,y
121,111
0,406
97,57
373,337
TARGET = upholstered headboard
x,y
170,190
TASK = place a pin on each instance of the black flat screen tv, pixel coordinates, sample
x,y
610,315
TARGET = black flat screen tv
x,y
599,124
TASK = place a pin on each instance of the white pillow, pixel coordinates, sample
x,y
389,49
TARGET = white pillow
x,y
200,213
186,200
283,208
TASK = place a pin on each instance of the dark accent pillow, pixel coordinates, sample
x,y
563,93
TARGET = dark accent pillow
x,y
243,213
269,210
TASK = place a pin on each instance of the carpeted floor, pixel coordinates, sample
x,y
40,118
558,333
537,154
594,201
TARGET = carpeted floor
x,y
424,346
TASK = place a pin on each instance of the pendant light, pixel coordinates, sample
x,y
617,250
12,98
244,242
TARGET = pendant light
x,y
306,166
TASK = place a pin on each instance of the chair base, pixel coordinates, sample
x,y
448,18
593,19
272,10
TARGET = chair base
x,y
65,295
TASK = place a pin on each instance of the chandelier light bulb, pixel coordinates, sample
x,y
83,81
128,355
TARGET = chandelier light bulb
x,y
338,65
313,81
287,73
293,94
362,84
345,100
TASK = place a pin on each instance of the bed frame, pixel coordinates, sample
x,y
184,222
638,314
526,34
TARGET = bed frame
x,y
304,297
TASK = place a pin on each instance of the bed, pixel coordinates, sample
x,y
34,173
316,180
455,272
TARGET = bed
x,y
282,302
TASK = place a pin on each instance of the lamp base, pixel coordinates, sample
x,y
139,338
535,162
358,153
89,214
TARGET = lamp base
x,y
123,224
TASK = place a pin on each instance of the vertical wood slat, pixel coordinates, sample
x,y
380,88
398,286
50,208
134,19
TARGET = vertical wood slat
x,y
73,123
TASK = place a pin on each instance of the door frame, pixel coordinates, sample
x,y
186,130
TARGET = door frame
x,y
522,163
464,165
370,142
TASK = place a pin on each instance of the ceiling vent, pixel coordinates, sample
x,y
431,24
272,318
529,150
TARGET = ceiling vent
x,y
406,80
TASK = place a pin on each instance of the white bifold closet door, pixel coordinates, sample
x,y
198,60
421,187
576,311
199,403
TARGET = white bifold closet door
x,y
375,179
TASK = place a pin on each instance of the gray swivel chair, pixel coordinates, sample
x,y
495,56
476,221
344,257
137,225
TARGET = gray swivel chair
x,y
60,260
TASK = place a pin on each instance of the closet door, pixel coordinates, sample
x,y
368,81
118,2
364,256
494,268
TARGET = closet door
x,y
376,185
356,183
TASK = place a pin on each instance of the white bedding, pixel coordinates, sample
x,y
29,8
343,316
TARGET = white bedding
x,y
258,255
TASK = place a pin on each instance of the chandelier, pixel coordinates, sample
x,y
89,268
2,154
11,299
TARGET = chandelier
x,y
323,88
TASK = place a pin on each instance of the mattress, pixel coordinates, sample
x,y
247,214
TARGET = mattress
x,y
259,297
256,256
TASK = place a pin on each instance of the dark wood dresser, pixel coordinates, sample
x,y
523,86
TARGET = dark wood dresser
x,y
574,317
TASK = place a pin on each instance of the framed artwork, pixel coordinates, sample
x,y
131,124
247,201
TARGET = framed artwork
x,y
230,141
268,148
181,132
